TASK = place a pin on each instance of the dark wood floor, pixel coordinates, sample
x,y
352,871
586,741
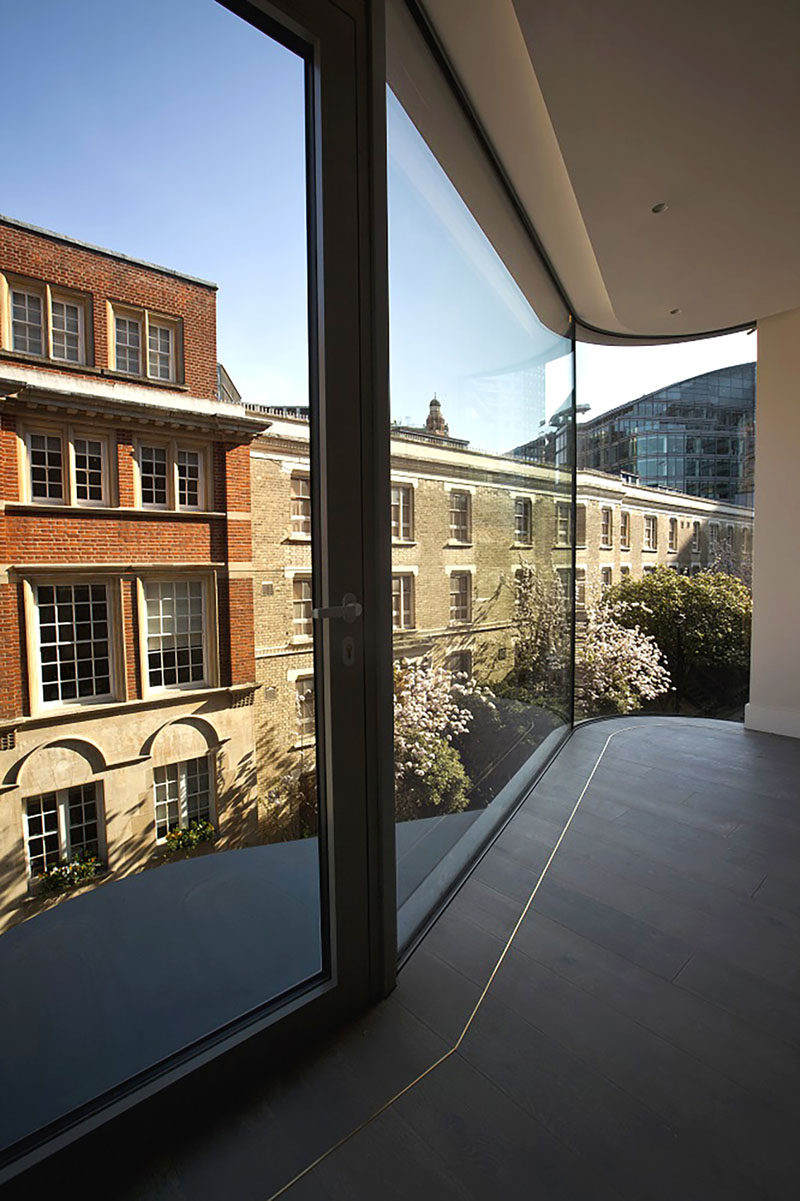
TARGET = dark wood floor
x,y
640,1040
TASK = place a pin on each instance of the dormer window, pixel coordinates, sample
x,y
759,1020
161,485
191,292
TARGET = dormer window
x,y
146,345
43,321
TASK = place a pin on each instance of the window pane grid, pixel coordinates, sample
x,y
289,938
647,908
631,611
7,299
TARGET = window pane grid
x,y
66,331
459,596
47,467
175,653
189,479
401,512
88,469
82,835
301,505
522,520
160,351
128,346
153,471
73,641
44,845
402,616
304,697
182,795
26,322
459,516
301,608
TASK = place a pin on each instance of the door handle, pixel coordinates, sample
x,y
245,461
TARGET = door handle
x,y
349,610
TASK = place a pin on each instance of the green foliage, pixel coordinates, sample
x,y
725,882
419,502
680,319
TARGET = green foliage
x,y
442,788
701,622
69,873
188,837
290,809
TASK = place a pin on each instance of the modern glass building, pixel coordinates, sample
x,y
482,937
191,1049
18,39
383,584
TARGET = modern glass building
x,y
696,436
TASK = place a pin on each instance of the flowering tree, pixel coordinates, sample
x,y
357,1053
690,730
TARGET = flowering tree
x,y
620,665
700,622
541,628
428,714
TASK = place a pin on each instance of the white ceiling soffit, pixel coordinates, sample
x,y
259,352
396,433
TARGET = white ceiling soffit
x,y
601,109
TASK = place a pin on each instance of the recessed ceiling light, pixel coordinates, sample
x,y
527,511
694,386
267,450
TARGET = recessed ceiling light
x,y
674,312
660,208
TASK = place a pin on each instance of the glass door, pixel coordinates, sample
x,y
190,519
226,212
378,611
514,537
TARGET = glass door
x,y
186,851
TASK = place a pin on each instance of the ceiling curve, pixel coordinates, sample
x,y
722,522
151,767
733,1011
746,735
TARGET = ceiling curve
x,y
600,110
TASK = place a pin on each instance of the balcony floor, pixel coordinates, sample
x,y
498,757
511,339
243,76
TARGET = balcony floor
x,y
641,1038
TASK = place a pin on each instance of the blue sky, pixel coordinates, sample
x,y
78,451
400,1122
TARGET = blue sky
x,y
174,132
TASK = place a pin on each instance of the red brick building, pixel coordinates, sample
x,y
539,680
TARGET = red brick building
x,y
126,597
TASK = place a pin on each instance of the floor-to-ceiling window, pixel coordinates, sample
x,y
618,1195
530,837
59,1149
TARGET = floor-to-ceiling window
x,y
666,457
482,513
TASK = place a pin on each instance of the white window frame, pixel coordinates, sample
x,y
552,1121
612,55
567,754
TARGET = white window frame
x,y
462,574
527,510
297,520
67,436
672,538
183,816
65,850
405,511
625,529
144,317
411,605
695,536
48,294
208,582
563,507
452,537
650,532
606,527
580,587
609,571
298,635
302,680
30,587
172,446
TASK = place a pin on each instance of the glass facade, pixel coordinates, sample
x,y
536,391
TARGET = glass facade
x,y
482,571
695,436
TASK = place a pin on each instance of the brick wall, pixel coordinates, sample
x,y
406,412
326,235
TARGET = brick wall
x,y
105,278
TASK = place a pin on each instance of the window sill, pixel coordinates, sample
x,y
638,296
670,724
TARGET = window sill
x,y
304,744
522,546
402,542
146,380
649,550
302,640
458,545
103,709
304,538
36,506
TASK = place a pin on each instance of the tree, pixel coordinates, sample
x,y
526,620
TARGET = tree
x,y
428,714
541,630
701,623
619,666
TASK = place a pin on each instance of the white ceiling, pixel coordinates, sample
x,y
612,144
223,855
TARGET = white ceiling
x,y
599,109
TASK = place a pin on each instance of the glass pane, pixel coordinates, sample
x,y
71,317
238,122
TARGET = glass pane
x,y
665,627
482,402
172,882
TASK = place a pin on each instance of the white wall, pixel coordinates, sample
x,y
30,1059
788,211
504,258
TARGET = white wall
x,y
775,656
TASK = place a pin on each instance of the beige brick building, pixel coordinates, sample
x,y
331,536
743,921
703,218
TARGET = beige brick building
x,y
463,521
